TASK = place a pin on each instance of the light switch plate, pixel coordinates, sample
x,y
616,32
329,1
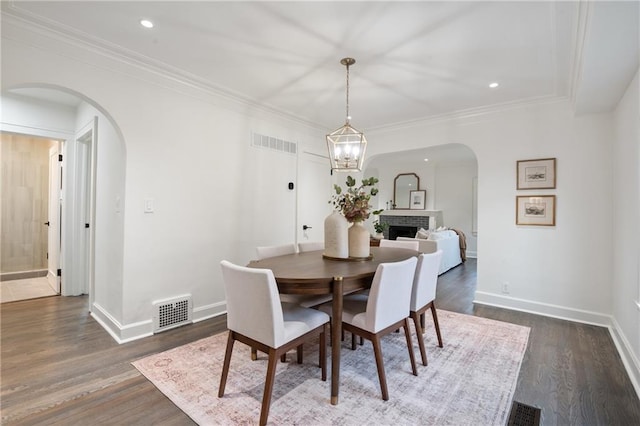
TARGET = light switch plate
x,y
148,205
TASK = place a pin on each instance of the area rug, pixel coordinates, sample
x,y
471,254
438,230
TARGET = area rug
x,y
470,381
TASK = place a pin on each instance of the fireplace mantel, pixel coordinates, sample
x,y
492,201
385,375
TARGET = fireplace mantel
x,y
434,213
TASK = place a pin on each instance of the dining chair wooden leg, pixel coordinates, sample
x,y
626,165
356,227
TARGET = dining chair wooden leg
x,y
323,353
435,323
416,321
254,354
268,386
410,347
377,350
225,365
353,341
299,354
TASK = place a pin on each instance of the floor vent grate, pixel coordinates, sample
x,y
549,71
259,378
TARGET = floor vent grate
x,y
171,313
524,415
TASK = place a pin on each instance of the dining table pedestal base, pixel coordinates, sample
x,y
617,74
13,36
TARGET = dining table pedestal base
x,y
336,337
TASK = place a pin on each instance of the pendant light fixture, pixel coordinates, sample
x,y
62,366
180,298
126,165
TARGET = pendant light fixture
x,y
346,145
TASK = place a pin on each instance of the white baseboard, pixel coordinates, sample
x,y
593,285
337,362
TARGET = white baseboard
x,y
209,311
127,333
629,359
120,333
471,254
554,311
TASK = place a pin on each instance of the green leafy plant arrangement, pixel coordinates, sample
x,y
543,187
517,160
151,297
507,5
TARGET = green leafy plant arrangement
x,y
353,203
379,226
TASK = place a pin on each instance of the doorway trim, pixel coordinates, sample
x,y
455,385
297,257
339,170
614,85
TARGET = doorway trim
x,y
54,214
69,186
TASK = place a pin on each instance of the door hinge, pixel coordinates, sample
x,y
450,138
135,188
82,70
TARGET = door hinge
x,y
59,272
59,157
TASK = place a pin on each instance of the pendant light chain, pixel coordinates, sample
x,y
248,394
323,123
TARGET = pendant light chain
x,y
346,145
348,118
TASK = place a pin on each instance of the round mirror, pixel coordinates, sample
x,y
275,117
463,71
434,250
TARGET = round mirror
x,y
402,185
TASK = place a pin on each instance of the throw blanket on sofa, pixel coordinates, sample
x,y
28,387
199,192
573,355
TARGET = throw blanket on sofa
x,y
463,243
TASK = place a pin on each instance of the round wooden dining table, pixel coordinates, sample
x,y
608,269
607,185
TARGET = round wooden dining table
x,y
312,274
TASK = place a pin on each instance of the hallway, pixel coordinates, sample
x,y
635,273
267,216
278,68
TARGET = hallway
x,y
30,288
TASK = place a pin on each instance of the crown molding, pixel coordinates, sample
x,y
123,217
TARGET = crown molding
x,y
470,113
583,18
172,76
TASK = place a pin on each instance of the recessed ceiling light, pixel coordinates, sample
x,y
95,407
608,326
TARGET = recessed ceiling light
x,y
426,159
493,85
146,23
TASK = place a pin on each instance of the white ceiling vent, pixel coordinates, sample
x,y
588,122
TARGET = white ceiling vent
x,y
269,142
172,313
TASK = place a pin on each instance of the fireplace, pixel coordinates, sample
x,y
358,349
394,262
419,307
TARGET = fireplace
x,y
402,231
407,222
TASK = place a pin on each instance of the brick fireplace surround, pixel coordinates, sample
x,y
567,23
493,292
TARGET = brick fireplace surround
x,y
406,220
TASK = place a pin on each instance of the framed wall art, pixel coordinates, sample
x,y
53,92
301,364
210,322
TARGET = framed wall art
x,y
536,174
536,210
418,199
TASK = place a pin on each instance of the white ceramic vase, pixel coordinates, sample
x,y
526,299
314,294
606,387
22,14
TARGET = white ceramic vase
x,y
336,236
358,240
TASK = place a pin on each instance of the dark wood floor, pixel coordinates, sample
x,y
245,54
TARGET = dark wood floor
x,y
59,367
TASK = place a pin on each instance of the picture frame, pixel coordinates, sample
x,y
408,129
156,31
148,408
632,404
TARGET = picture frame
x,y
536,174
417,199
536,210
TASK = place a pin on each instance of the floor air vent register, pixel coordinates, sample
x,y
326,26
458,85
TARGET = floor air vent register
x,y
524,415
172,313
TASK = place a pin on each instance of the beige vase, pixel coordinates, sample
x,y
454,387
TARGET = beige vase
x,y
336,236
358,240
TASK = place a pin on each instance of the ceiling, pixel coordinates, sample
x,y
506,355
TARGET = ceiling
x,y
414,60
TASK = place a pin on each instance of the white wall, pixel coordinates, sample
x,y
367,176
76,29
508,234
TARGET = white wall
x,y
552,270
109,210
189,150
36,117
454,196
626,226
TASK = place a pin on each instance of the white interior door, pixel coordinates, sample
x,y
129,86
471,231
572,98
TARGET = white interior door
x,y
314,191
53,244
83,222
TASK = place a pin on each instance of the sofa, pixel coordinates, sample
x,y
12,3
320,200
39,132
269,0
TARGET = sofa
x,y
446,240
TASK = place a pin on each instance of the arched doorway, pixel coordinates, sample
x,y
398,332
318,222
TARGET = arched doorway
x,y
78,123
448,173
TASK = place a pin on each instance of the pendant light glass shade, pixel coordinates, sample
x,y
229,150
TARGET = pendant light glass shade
x,y
346,145
346,148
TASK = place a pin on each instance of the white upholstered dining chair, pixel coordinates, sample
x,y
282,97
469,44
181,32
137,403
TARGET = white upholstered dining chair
x,y
423,296
304,300
411,245
305,246
256,317
383,311
272,251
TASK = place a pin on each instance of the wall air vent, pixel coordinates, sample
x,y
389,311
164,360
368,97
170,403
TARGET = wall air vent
x,y
269,142
172,313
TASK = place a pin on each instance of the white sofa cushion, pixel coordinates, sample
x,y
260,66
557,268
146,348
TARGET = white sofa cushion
x,y
447,241
422,234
